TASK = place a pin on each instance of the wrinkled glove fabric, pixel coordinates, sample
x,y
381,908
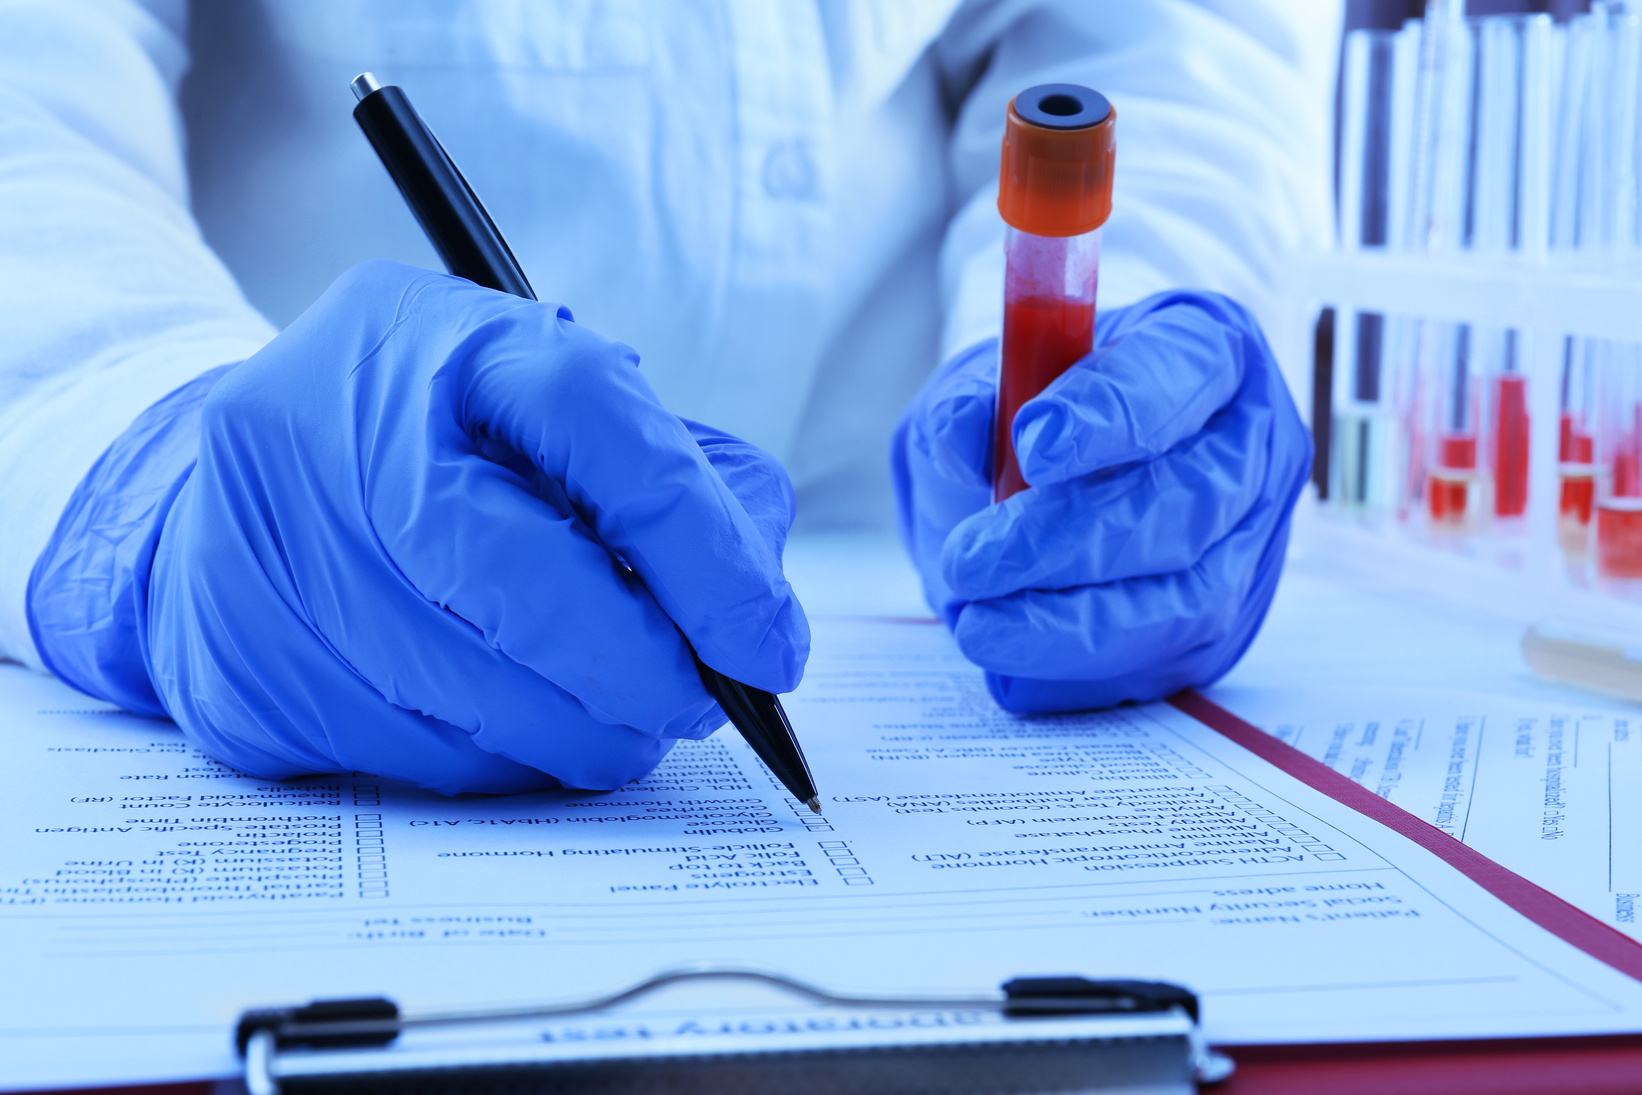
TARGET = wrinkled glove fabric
x,y
1163,470
431,532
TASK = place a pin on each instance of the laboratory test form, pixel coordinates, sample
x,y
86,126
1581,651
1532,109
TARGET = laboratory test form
x,y
959,846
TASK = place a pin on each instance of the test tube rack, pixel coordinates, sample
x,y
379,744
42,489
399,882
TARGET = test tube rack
x,y
1545,302
1489,234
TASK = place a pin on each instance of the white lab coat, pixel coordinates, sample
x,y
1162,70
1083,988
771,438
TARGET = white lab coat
x,y
786,206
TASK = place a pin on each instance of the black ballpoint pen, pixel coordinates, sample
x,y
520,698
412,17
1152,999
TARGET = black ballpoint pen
x,y
471,247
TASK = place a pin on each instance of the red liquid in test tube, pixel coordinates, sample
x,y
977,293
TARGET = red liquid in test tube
x,y
1619,537
1511,445
1576,452
1578,496
1576,472
1619,513
1451,480
1054,193
1044,332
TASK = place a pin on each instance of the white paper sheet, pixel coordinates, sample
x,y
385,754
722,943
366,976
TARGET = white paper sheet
x,y
1552,792
147,894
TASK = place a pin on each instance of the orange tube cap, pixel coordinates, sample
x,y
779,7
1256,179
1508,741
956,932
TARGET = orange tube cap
x,y
1058,151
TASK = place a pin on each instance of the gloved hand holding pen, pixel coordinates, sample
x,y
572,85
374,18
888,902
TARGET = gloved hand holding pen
x,y
433,532
1163,469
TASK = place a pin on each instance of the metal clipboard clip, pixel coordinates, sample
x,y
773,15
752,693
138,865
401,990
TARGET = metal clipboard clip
x,y
1041,1035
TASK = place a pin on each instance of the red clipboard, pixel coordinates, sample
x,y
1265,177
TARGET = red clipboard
x,y
1605,1065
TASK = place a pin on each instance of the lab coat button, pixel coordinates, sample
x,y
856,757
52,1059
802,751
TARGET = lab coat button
x,y
789,172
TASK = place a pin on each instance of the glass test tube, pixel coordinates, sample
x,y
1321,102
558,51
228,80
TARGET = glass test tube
x,y
1361,468
1401,375
1508,436
1453,492
1443,463
1048,325
1054,193
1626,134
1493,228
1619,505
1576,451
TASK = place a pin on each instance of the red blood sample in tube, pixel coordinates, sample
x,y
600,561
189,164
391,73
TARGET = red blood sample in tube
x,y
1042,338
1568,439
1577,452
1619,514
1619,537
1511,445
1627,474
1054,193
1450,492
1576,493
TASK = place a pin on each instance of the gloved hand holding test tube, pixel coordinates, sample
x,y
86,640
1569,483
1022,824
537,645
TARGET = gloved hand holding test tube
x,y
1160,445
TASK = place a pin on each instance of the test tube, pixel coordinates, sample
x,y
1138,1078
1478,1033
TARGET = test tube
x,y
1493,229
1444,468
1401,355
1508,439
1453,490
1570,163
1618,136
1054,193
1361,470
1619,506
1443,109
1576,452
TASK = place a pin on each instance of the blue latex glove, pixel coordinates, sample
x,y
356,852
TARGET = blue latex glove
x,y
434,532
1142,559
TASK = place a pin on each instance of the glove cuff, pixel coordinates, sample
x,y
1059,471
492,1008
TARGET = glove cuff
x,y
88,592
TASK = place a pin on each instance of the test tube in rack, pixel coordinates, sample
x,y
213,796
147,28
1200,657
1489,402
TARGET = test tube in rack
x,y
1576,452
1362,468
1453,493
1493,229
1619,504
1508,429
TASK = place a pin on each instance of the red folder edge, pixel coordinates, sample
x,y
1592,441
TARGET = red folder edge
x,y
1596,1065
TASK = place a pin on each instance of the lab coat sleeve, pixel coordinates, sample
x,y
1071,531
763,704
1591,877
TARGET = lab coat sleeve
x,y
109,297
1224,123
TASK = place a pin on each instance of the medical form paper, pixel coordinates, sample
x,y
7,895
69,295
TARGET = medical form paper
x,y
148,894
1551,792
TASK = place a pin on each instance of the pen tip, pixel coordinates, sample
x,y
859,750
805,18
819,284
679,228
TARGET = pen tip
x,y
814,804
